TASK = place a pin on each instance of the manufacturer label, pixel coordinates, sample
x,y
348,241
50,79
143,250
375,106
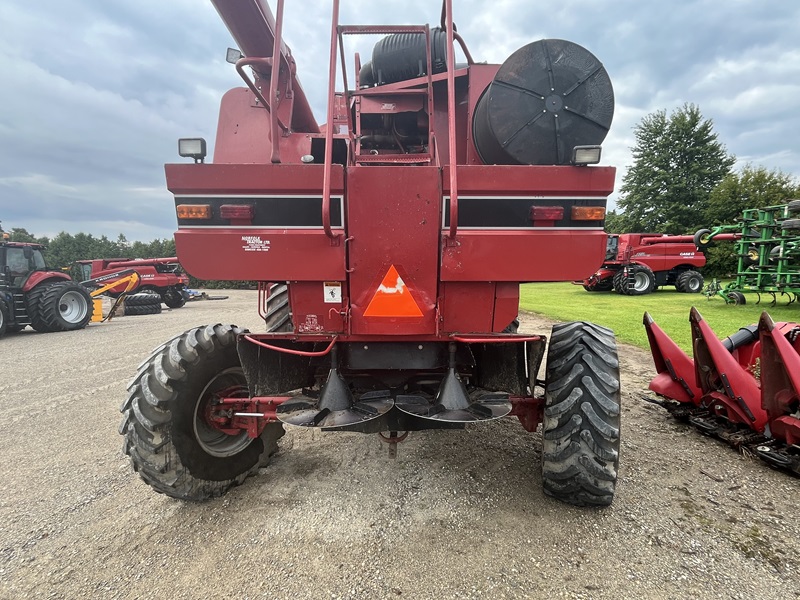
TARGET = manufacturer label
x,y
687,253
254,243
332,291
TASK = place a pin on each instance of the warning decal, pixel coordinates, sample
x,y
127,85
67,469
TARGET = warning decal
x,y
392,298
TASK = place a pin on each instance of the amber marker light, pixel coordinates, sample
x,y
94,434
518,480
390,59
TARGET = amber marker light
x,y
588,213
194,211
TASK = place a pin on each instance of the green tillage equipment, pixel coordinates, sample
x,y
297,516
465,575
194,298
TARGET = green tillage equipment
x,y
768,252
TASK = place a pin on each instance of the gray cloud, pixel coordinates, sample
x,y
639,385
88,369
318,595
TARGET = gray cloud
x,y
95,94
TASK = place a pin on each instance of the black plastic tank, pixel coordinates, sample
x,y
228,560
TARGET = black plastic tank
x,y
402,56
546,98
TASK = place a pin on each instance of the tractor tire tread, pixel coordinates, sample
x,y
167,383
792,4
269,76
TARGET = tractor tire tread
x,y
581,425
160,389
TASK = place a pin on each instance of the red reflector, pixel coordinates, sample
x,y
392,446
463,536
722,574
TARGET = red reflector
x,y
236,211
547,213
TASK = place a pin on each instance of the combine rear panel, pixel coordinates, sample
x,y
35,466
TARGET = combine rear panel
x,y
389,246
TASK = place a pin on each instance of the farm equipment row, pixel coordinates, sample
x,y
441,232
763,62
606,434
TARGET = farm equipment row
x,y
768,252
49,301
743,389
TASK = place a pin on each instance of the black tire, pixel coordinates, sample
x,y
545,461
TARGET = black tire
x,y
173,298
793,206
170,444
644,281
790,224
580,439
620,281
146,309
60,306
736,298
142,299
512,327
701,238
689,282
5,317
775,254
278,316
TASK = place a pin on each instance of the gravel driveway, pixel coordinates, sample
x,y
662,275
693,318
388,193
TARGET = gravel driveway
x,y
458,514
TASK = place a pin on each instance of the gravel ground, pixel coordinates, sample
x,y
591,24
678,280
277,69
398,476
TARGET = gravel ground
x,y
458,514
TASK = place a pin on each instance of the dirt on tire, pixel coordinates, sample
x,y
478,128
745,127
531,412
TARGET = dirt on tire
x,y
458,514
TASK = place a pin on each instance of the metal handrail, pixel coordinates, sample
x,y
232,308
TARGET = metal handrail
x,y
447,8
326,177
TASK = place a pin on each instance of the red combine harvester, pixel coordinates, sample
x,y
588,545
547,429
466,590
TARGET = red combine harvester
x,y
389,245
162,276
640,263
744,389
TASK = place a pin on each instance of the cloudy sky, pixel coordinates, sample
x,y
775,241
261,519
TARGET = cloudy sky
x,y
95,93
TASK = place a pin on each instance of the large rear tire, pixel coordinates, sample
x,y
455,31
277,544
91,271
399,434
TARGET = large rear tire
x,y
60,306
689,282
172,445
278,312
581,439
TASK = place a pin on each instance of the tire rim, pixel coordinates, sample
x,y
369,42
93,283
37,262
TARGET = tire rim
x,y
694,284
72,307
641,282
209,437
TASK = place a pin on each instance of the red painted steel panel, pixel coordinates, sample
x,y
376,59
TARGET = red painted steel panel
x,y
532,180
284,255
467,306
251,179
243,133
393,217
523,255
506,305
312,311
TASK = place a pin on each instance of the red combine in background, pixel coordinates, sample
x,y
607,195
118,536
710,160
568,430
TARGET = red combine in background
x,y
640,263
162,276
389,246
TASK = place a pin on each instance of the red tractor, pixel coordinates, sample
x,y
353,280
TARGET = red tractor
x,y
640,263
389,246
31,294
162,276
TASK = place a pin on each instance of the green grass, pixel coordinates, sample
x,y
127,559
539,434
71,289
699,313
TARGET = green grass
x,y
668,307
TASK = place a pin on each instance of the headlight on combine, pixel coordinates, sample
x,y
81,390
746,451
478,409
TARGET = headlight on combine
x,y
192,148
585,155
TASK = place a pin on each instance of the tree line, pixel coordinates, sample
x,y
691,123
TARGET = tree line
x,y
681,180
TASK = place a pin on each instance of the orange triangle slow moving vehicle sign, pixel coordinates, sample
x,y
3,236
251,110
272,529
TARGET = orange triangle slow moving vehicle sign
x,y
392,298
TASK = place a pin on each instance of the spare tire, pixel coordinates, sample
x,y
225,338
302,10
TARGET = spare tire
x,y
147,309
142,299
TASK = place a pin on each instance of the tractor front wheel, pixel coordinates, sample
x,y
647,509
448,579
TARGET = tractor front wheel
x,y
170,437
580,448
